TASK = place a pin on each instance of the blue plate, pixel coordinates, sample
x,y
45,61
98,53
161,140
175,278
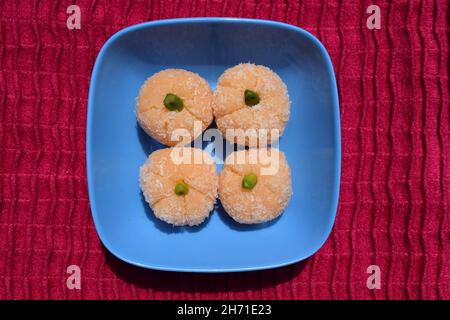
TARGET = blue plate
x,y
117,147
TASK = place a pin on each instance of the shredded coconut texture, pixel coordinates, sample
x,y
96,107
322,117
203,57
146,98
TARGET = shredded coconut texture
x,y
159,175
159,122
270,196
230,109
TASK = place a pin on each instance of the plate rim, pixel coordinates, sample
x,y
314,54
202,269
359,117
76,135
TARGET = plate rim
x,y
218,20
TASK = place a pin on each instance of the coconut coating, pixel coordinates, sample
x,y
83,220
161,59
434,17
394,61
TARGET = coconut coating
x,y
231,112
158,121
159,176
270,195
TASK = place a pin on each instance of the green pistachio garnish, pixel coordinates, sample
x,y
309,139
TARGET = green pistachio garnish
x,y
251,98
181,188
173,102
249,181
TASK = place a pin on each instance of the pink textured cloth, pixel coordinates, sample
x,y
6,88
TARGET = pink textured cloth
x,y
394,200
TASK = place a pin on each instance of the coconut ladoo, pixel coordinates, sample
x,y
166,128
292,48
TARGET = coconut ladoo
x,y
251,105
180,185
174,106
255,185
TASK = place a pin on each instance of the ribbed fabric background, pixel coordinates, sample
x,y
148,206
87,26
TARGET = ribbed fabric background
x,y
394,200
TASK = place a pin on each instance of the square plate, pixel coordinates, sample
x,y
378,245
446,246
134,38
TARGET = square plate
x,y
117,147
